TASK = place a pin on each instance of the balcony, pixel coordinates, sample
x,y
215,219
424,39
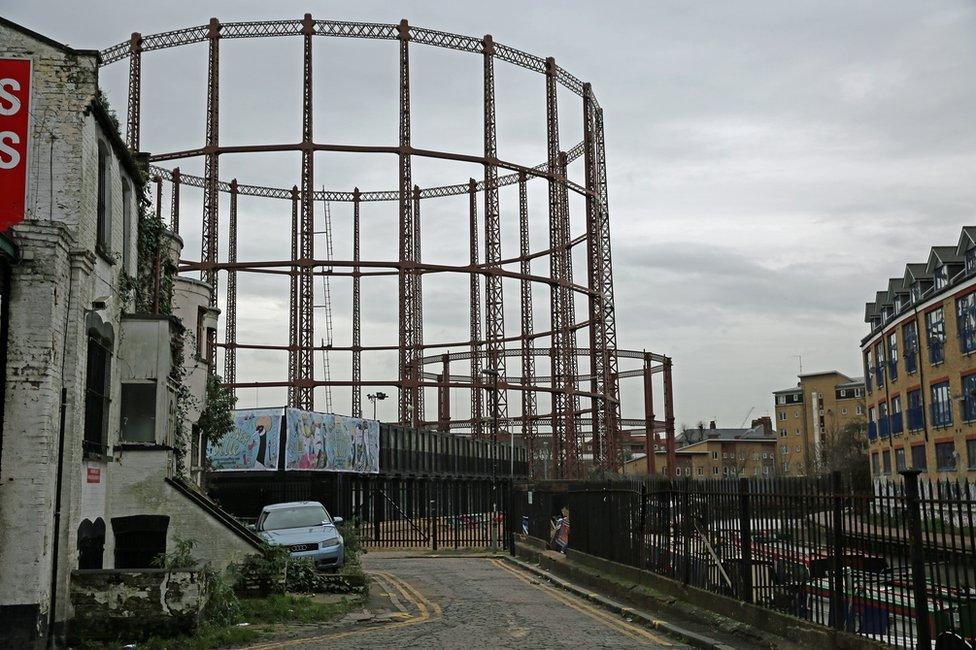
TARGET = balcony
x,y
911,363
872,430
896,423
883,427
916,418
893,369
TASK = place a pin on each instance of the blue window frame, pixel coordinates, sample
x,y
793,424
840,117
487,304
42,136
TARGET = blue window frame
x,y
879,357
893,356
941,405
872,424
916,414
969,397
868,369
966,322
935,332
895,415
971,260
909,335
884,425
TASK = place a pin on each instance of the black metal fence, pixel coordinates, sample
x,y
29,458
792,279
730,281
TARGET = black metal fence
x,y
405,450
897,564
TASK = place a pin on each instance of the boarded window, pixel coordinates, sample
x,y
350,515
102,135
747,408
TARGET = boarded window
x,y
139,412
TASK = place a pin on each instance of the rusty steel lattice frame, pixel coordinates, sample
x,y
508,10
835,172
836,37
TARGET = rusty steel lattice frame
x,y
568,443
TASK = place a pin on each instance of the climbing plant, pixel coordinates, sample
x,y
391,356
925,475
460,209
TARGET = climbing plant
x,y
217,418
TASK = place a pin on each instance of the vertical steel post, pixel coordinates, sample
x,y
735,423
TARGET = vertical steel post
x,y
293,305
158,253
357,351
444,396
211,196
477,412
529,402
838,600
494,296
306,295
556,274
418,319
174,215
573,462
745,541
406,237
923,633
649,436
230,322
133,115
669,418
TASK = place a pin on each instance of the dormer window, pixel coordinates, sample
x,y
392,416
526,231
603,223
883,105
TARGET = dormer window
x,y
941,276
916,291
898,304
971,261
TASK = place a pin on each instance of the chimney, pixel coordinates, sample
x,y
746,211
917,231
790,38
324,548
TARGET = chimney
x,y
766,422
711,425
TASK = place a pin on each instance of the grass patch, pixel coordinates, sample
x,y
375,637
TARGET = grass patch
x,y
290,608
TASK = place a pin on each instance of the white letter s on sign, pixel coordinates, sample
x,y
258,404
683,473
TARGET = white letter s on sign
x,y
6,149
8,97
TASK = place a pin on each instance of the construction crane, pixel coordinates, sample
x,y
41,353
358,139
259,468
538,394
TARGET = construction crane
x,y
746,418
326,305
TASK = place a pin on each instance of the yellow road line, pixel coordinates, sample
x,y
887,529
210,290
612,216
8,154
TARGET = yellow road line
x,y
614,623
402,586
438,611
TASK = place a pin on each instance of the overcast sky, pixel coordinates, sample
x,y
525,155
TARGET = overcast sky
x,y
770,164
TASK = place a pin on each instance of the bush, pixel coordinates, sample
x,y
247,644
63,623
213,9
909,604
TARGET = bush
x,y
263,573
352,540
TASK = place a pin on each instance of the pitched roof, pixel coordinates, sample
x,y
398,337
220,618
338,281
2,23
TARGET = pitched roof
x,y
916,271
942,255
967,240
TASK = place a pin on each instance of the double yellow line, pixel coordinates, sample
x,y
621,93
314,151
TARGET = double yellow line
x,y
616,624
427,611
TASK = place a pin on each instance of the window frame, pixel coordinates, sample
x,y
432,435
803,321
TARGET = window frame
x,y
935,335
941,404
103,214
99,354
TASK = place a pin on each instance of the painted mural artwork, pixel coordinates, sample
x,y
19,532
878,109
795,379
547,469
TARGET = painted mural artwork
x,y
253,444
322,441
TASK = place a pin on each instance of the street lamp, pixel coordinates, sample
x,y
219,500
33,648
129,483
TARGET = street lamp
x,y
378,395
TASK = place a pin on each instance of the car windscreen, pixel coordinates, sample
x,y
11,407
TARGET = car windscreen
x,y
295,517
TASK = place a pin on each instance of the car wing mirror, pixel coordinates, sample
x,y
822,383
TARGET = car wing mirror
x,y
337,520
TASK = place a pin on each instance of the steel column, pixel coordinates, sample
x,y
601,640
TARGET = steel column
x,y
293,304
158,252
211,195
230,321
418,318
357,359
477,412
305,398
529,426
556,272
669,417
568,302
135,92
444,396
174,215
649,435
494,296
406,240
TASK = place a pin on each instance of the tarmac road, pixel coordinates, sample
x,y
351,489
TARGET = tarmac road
x,y
469,602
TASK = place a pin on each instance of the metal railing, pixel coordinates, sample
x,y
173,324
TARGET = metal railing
x,y
896,563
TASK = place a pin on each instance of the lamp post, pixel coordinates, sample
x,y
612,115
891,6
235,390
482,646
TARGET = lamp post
x,y
378,395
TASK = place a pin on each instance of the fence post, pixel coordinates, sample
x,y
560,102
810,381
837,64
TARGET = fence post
x,y
923,638
745,541
433,517
838,609
641,536
686,529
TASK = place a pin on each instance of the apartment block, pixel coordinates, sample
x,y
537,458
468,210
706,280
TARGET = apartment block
x,y
821,405
921,372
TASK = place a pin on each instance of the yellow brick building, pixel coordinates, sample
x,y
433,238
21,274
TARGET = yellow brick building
x,y
821,405
919,358
716,453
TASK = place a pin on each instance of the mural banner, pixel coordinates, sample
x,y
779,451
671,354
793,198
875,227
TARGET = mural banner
x,y
322,441
253,444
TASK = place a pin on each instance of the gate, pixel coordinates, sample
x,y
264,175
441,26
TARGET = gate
x,y
427,512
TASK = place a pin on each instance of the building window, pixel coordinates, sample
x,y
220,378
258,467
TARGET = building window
x,y
97,377
945,456
797,432
138,540
782,415
969,397
91,543
884,424
796,415
699,471
868,368
971,449
766,470
941,276
966,322
941,405
875,468
895,415
886,461
843,392
843,411
138,412
859,410
798,449
715,470
935,332
879,355
971,260
893,356
785,449
900,459
103,230
909,335
127,227
781,399
919,460
872,424
714,455
916,414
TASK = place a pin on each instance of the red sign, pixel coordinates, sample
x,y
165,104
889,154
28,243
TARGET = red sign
x,y
94,474
15,78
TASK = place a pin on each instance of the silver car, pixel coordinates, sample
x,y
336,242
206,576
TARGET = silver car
x,y
306,529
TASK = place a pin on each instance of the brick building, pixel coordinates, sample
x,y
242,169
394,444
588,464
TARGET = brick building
x,y
921,372
820,406
89,417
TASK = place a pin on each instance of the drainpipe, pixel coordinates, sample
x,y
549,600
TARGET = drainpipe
x,y
62,426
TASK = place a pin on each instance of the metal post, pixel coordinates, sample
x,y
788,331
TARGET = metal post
x,y
686,529
923,633
211,195
838,605
528,358
557,274
477,427
418,320
649,435
357,350
745,541
406,236
305,394
444,395
669,417
293,305
174,218
135,92
230,323
158,253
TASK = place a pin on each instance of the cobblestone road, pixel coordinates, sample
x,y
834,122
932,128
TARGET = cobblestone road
x,y
481,603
